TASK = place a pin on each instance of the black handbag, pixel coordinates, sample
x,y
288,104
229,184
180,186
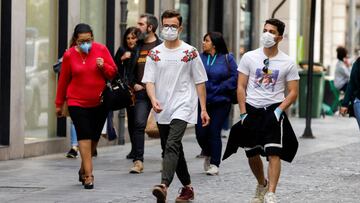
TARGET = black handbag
x,y
117,95
233,93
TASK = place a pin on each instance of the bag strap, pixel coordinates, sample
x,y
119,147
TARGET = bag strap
x,y
228,64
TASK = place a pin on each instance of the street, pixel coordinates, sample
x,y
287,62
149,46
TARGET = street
x,y
326,169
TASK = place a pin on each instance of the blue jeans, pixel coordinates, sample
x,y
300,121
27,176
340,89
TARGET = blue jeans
x,y
357,110
209,137
73,136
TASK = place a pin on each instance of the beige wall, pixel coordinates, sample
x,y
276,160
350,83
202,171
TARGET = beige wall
x,y
335,27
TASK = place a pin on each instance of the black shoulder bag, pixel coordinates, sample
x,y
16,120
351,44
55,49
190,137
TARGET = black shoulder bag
x,y
117,95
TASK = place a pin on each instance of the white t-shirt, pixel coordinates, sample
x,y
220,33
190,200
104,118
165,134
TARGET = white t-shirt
x,y
175,72
263,89
342,75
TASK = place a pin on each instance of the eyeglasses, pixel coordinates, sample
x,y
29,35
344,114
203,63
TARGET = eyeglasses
x,y
172,27
80,41
265,69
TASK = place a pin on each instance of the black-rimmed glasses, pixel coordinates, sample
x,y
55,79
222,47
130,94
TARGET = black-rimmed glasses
x,y
172,27
265,69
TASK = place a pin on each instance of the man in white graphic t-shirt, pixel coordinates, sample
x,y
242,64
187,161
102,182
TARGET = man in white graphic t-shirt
x,y
264,129
175,82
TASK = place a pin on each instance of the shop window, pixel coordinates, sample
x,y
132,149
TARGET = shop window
x,y
245,26
92,12
135,9
40,54
183,6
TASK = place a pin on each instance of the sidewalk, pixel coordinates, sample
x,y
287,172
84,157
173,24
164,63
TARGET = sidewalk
x,y
326,169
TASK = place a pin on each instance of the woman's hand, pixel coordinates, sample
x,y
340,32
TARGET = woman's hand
x,y
126,55
59,112
100,63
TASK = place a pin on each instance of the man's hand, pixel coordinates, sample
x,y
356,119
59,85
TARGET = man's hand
x,y
343,110
205,118
156,106
138,87
242,117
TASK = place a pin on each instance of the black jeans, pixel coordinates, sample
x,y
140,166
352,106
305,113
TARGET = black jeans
x,y
130,112
141,114
174,159
209,137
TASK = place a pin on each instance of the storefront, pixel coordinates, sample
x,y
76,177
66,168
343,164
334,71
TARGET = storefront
x,y
35,34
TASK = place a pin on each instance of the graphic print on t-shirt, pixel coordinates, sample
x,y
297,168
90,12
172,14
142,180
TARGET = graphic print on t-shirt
x,y
142,56
154,55
189,55
266,80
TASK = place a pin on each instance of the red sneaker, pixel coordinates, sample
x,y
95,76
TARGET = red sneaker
x,y
186,194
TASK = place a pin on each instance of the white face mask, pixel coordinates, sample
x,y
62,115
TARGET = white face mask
x,y
169,34
267,39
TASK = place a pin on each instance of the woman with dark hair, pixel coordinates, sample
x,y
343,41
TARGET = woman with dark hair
x,y
84,71
125,59
343,69
222,80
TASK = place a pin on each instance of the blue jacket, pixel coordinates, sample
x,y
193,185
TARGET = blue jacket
x,y
222,77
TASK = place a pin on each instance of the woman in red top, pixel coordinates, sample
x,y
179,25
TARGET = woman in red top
x,y
85,69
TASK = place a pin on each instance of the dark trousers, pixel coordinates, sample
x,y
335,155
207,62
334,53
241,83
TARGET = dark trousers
x,y
141,114
130,112
174,159
209,137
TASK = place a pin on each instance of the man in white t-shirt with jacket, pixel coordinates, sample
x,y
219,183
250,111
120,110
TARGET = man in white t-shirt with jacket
x,y
175,81
264,129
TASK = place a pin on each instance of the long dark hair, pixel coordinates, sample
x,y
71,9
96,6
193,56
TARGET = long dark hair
x,y
130,30
79,29
218,41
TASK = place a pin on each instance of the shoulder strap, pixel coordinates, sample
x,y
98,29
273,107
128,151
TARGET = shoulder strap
x,y
227,63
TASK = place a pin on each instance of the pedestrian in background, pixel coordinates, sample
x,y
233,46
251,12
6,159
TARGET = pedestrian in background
x,y
147,24
175,81
85,69
125,59
343,69
221,71
352,94
264,128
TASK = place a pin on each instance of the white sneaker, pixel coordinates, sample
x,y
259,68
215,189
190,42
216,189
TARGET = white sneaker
x,y
213,170
207,163
260,193
270,197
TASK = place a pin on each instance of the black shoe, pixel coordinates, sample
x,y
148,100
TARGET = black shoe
x,y
81,177
95,153
72,153
131,155
89,184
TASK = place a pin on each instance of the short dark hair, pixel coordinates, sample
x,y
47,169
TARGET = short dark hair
x,y
130,30
171,14
218,41
278,24
150,20
341,52
79,29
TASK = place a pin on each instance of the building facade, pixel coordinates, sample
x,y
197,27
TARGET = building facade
x,y
35,33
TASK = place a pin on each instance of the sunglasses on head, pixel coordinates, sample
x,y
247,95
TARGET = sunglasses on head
x,y
265,69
